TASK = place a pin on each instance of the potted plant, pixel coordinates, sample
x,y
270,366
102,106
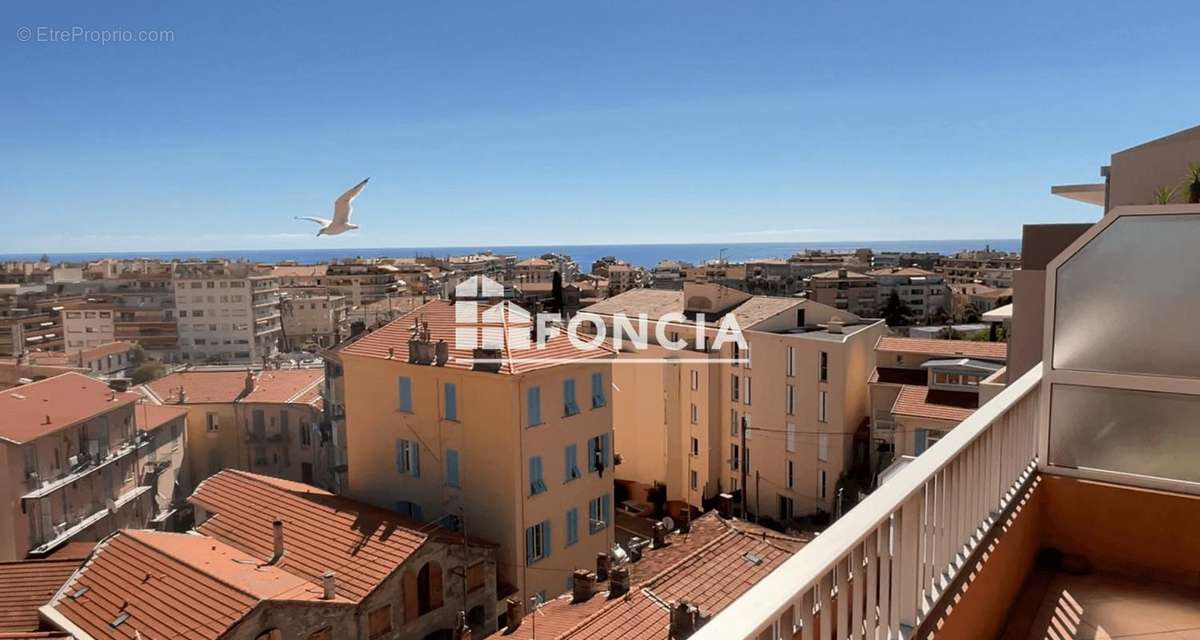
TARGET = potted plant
x,y
1193,182
1164,194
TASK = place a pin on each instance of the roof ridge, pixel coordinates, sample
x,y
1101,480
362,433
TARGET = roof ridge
x,y
308,387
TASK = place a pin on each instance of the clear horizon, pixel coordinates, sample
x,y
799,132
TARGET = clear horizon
x,y
547,124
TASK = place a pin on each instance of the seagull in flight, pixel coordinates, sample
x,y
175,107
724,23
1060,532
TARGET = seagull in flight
x,y
342,208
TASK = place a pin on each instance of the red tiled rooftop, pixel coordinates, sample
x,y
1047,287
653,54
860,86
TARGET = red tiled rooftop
x,y
321,531
199,387
707,565
27,585
172,585
935,404
440,315
300,271
286,385
944,348
149,417
34,410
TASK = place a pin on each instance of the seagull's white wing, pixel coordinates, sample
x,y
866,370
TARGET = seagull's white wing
x,y
321,221
342,206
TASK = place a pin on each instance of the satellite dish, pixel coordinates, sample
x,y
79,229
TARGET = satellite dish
x,y
668,523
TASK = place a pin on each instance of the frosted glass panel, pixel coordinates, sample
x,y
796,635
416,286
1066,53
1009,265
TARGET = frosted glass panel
x,y
1126,301
1140,432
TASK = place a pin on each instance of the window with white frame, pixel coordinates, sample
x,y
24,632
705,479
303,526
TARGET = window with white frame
x,y
822,416
695,380
791,474
791,437
823,447
695,446
695,413
823,367
789,400
789,364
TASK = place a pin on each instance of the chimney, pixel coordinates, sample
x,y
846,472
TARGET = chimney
x,y
462,631
249,381
835,325
725,504
603,562
441,353
182,395
581,585
658,537
842,273
618,582
278,554
512,612
328,585
685,620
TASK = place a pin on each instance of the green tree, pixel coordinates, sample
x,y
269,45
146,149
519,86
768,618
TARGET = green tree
x,y
149,370
895,312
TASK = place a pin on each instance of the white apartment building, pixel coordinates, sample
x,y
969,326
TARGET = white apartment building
x,y
87,327
228,312
922,291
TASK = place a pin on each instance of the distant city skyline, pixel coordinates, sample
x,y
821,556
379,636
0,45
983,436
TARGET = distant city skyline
x,y
548,124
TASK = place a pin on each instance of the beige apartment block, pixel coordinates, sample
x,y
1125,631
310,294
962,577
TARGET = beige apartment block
x,y
533,271
846,290
71,460
320,320
795,399
518,452
924,292
88,326
984,266
623,277
267,422
363,281
228,312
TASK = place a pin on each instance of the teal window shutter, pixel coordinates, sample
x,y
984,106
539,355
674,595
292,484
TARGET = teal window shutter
x,y
570,466
451,399
546,544
572,526
920,438
597,390
570,407
533,412
399,455
416,459
591,465
452,467
406,394
529,545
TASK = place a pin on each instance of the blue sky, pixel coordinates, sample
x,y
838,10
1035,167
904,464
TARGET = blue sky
x,y
573,123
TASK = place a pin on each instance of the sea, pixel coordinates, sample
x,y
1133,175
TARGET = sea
x,y
644,255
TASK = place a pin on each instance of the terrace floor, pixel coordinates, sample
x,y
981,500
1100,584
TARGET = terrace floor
x,y
1101,606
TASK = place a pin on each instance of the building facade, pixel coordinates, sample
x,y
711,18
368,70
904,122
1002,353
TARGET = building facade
x,y
228,312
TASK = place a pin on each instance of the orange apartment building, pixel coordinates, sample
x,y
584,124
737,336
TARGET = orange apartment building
x,y
518,452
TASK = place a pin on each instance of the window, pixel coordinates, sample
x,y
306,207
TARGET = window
x,y
452,468
791,437
734,385
823,367
695,414
408,458
734,456
786,508
695,479
821,484
570,464
597,390
599,453
305,434
537,542
821,414
451,401
476,579
789,365
695,380
405,393
410,509
379,621
212,423
733,422
536,483
746,395
791,474
533,406
823,447
599,513
429,588
572,526
570,407
789,400
695,447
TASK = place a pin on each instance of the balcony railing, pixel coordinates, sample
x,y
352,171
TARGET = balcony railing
x,y
880,570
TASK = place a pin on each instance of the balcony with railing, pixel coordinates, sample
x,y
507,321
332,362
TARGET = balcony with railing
x,y
1064,508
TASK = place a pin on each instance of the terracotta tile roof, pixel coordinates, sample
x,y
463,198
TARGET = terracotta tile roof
x,y
65,399
286,385
835,275
321,531
901,271
944,348
109,349
656,303
172,585
200,387
440,315
27,585
707,566
935,404
760,308
149,417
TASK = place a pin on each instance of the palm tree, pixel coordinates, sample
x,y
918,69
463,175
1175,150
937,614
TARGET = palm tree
x,y
1164,194
1193,182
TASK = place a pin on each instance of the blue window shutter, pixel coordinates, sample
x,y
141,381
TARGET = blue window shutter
x,y
451,401
572,526
400,455
534,410
546,545
606,508
568,463
591,455
416,459
606,445
452,467
405,394
529,545
417,513
597,389
919,441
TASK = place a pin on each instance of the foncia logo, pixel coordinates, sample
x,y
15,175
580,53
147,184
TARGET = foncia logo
x,y
486,320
